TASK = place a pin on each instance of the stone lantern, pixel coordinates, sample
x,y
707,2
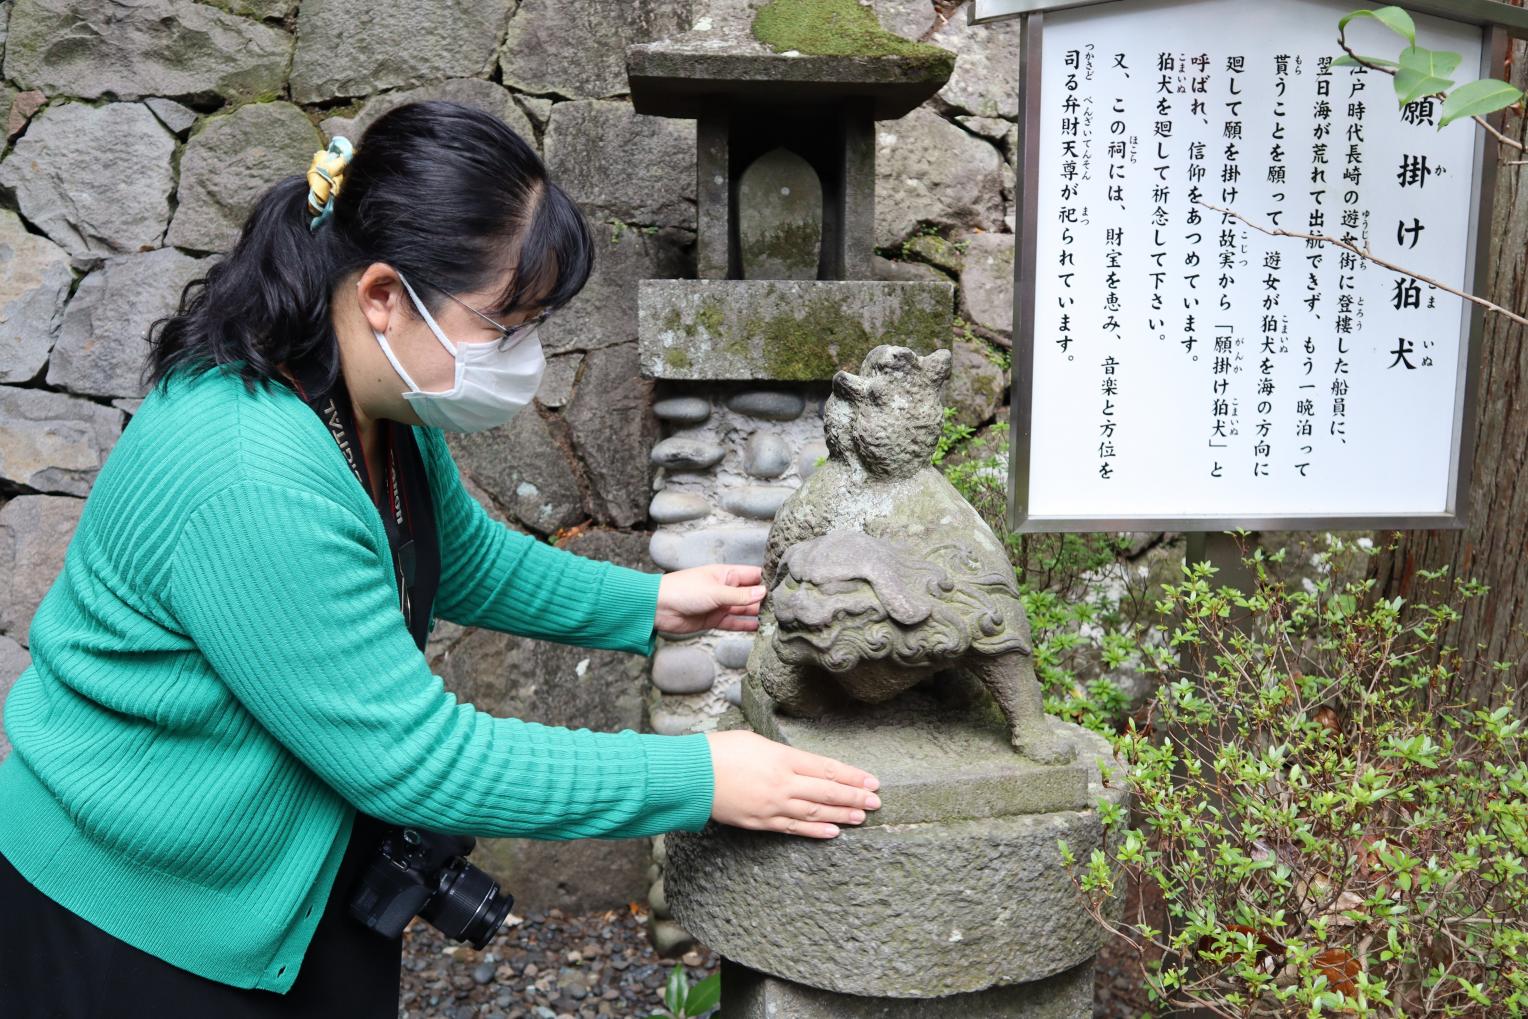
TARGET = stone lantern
x,y
742,355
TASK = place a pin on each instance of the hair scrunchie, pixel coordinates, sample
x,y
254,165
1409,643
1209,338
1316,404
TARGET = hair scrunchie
x,y
325,175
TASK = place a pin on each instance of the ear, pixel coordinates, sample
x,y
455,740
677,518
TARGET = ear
x,y
381,296
848,386
937,366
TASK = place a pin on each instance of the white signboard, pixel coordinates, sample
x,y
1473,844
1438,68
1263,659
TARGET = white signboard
x,y
1177,367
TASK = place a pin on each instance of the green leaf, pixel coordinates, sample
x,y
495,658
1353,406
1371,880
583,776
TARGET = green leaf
x,y
1478,98
678,987
1435,63
1393,18
1423,73
704,995
1411,85
1347,61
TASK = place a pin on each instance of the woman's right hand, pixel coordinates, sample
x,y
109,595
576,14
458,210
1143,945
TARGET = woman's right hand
x,y
769,786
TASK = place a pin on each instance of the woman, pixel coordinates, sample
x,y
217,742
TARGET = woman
x,y
226,706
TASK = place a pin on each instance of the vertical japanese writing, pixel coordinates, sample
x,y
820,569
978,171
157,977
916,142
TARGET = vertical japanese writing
x,y
1121,153
1226,402
1274,325
1412,177
1355,230
1070,193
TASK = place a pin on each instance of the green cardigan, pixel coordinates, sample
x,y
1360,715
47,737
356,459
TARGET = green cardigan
x,y
221,678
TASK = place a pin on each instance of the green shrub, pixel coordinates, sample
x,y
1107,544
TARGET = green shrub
x,y
1333,827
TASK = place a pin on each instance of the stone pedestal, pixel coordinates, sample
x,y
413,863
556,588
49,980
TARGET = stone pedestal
x,y
939,757
952,898
749,994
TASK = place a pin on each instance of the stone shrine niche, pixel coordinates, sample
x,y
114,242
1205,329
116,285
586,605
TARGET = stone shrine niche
x,y
779,218
808,143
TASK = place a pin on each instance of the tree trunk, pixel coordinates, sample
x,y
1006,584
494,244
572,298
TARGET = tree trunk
x,y
1493,548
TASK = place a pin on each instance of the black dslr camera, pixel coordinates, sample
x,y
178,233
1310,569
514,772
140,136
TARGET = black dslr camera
x,y
423,872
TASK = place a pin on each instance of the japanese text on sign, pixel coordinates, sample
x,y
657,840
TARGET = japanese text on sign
x,y
1186,364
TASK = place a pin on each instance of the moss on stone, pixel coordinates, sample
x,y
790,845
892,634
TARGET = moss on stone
x,y
804,340
841,28
711,317
920,327
676,358
796,349
821,337
789,244
928,246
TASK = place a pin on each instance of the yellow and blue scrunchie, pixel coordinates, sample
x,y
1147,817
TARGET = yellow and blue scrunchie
x,y
325,175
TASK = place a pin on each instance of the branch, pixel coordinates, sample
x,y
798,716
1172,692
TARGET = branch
x,y
1442,96
1364,254
1509,142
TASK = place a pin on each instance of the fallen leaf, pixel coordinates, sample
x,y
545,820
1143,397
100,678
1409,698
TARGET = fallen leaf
x,y
1340,968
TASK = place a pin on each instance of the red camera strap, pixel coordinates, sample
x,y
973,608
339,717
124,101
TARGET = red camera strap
x,y
409,513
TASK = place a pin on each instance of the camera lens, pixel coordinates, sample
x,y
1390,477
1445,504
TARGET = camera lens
x,y
468,904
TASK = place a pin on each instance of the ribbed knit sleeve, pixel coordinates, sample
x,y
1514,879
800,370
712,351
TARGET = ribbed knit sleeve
x,y
495,577
285,593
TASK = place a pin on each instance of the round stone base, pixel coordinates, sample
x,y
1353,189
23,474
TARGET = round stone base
x,y
749,994
922,910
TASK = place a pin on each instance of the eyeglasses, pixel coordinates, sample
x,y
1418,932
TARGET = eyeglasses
x,y
508,335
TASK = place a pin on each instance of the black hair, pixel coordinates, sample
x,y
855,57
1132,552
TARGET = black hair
x,y
446,194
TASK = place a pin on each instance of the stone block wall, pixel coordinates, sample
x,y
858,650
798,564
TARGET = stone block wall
x,y
136,139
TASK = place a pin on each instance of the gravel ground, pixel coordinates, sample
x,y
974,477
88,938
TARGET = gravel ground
x,y
603,966
546,966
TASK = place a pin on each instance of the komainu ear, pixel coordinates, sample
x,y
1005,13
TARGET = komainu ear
x,y
848,386
937,366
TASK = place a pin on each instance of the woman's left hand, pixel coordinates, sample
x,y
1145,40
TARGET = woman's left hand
x,y
719,596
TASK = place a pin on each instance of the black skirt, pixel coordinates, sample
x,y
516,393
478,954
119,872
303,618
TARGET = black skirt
x,y
54,965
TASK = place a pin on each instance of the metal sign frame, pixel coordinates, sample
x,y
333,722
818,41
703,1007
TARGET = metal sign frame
x,y
1485,13
1021,425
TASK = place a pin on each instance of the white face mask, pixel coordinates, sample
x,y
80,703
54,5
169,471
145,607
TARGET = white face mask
x,y
490,386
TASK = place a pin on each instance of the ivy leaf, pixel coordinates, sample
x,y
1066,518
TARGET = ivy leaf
x,y
1478,98
1393,18
1422,73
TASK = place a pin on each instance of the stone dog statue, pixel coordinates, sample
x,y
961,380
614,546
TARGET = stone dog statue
x,y
881,576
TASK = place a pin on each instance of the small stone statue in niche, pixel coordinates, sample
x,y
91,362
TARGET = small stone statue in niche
x,y
881,576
